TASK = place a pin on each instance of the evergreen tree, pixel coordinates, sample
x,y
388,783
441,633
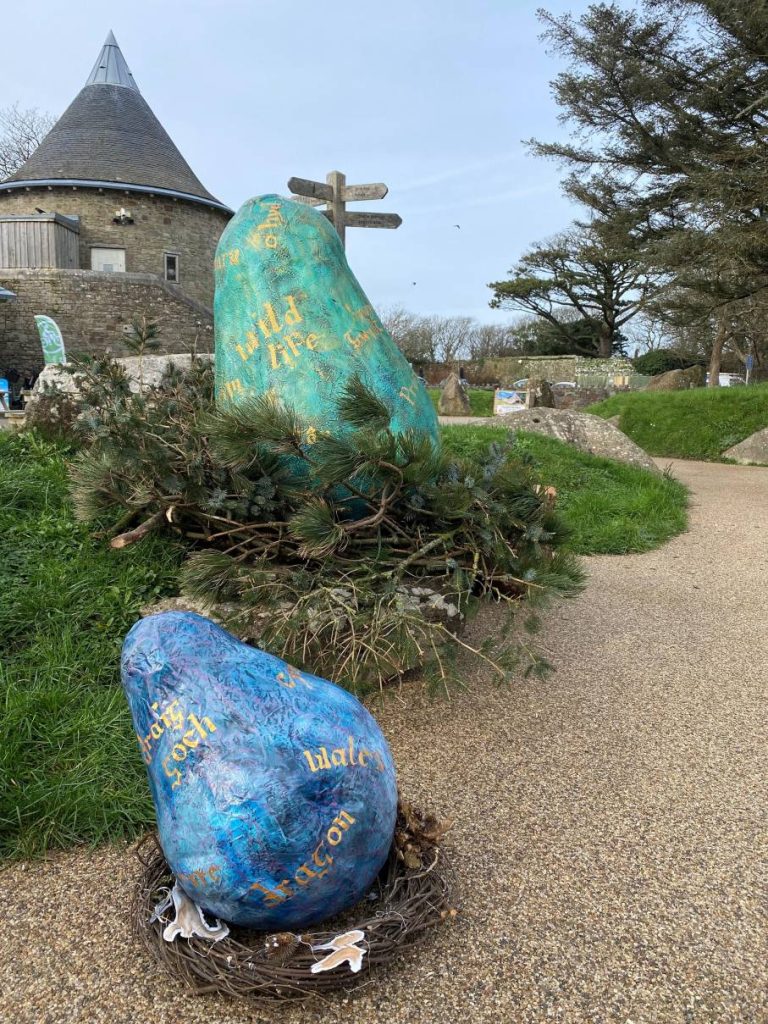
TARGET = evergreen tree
x,y
668,110
591,272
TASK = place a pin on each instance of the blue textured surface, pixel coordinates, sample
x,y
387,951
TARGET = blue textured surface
x,y
275,790
292,320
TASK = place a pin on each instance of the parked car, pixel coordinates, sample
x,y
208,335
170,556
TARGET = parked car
x,y
565,384
729,380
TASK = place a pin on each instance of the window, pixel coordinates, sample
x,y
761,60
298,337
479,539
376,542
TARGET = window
x,y
172,267
110,260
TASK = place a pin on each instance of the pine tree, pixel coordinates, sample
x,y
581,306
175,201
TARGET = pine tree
x,y
592,271
667,105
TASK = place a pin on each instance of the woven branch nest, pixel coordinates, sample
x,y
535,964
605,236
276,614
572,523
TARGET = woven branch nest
x,y
410,896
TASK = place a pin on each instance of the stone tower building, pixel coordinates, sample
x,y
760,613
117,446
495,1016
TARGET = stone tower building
x,y
106,219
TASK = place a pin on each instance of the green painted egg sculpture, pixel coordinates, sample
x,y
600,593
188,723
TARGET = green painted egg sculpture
x,y
292,321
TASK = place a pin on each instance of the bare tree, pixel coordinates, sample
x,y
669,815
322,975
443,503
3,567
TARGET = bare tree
x,y
450,336
648,334
489,341
21,132
411,333
447,339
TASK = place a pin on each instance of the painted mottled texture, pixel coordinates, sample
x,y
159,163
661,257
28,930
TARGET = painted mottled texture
x,y
275,790
291,319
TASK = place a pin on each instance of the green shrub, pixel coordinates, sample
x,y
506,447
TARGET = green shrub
x,y
661,361
285,525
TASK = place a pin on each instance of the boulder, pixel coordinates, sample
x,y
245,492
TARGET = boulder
x,y
453,398
579,397
143,372
677,380
584,431
752,451
55,403
543,396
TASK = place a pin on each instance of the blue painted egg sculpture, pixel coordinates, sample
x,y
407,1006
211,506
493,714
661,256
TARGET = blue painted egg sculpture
x,y
274,789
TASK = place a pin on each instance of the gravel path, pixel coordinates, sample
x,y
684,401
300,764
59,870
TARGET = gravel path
x,y
611,821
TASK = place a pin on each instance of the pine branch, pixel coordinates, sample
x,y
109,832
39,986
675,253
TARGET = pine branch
x,y
360,407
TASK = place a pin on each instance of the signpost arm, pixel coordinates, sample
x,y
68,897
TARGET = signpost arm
x,y
335,194
337,181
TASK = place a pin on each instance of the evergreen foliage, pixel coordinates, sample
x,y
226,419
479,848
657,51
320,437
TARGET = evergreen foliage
x,y
662,360
665,103
584,284
320,538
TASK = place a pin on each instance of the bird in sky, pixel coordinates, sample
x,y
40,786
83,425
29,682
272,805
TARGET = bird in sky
x,y
457,226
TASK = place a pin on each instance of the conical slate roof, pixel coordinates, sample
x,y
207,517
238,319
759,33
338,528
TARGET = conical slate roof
x,y
108,137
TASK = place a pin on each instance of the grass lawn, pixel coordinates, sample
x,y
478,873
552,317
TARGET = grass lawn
x,y
611,508
480,401
68,766
70,770
698,424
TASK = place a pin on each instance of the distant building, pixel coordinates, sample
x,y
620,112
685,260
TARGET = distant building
x,y
104,220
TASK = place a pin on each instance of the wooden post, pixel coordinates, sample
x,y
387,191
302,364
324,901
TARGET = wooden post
x,y
337,181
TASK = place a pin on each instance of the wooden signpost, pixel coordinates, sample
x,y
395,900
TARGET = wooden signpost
x,y
335,194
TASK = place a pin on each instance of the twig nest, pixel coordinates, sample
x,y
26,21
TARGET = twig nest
x,y
410,896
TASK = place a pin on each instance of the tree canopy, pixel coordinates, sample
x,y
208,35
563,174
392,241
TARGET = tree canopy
x,y
588,272
666,105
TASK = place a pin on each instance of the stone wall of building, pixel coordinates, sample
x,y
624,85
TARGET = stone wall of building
x,y
94,311
160,225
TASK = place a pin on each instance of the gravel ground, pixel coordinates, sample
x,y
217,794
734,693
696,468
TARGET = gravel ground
x,y
610,822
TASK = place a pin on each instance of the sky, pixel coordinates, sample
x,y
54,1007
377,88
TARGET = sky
x,y
433,97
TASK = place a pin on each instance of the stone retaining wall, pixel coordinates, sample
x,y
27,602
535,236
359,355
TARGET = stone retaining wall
x,y
93,311
505,370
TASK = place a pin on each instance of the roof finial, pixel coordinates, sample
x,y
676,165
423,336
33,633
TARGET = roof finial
x,y
110,67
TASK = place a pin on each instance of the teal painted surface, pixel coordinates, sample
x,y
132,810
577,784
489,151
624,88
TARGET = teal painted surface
x,y
292,319
51,340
